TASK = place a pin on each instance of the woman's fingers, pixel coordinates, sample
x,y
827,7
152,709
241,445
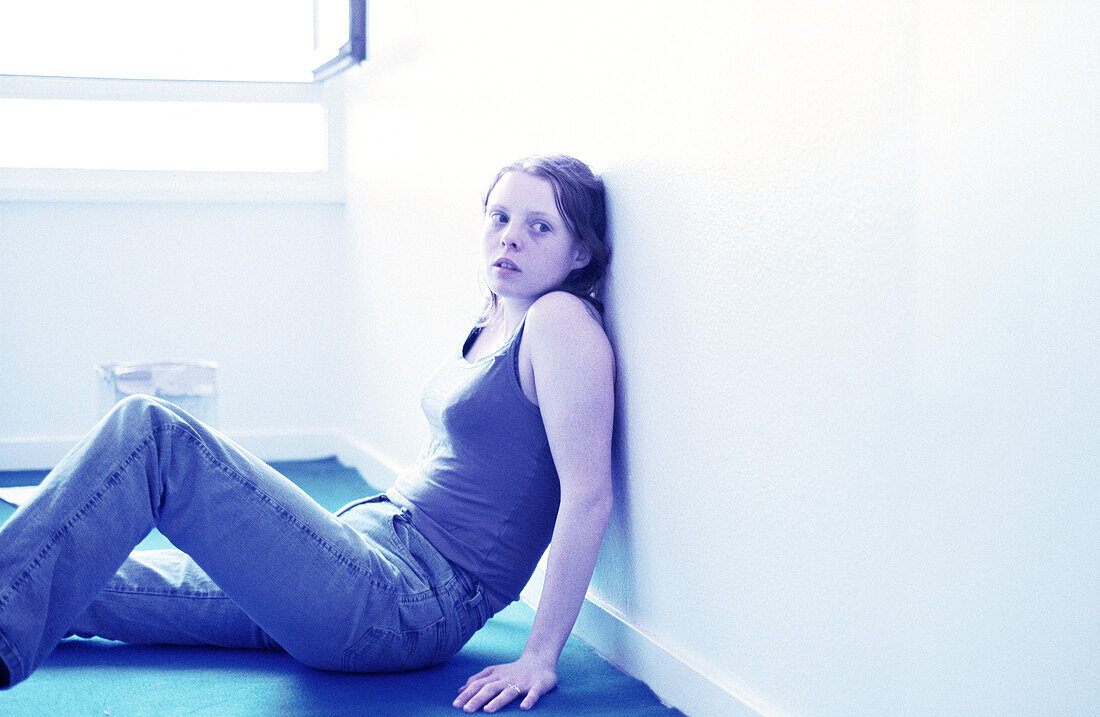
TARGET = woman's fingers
x,y
491,696
498,686
473,678
504,696
477,681
466,695
476,694
469,691
532,697
486,672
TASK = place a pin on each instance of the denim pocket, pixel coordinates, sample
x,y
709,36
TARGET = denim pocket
x,y
477,611
470,613
381,650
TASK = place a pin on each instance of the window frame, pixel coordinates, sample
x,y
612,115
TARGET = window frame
x,y
353,51
102,185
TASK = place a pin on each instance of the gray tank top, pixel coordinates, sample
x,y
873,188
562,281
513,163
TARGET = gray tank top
x,y
484,490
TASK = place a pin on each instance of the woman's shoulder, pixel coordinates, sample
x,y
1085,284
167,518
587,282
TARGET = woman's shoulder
x,y
563,305
563,321
560,309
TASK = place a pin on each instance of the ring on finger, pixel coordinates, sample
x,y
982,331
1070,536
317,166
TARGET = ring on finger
x,y
518,690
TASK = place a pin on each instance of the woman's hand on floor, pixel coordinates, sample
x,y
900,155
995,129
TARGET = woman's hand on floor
x,y
496,686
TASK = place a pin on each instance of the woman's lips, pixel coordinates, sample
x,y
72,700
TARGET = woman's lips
x,y
505,265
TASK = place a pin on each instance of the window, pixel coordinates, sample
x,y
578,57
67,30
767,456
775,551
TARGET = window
x,y
143,135
225,40
339,36
145,99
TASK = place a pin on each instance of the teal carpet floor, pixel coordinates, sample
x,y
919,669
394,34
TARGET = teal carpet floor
x,y
102,678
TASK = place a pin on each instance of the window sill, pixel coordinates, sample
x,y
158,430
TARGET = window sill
x,y
100,185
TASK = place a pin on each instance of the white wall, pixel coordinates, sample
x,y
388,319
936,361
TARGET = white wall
x,y
854,304
259,288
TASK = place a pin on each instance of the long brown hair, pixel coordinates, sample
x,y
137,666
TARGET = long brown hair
x,y
579,196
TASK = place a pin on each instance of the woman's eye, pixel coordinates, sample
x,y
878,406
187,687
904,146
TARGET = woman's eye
x,y
497,217
541,227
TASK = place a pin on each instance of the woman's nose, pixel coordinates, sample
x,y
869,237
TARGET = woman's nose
x,y
510,237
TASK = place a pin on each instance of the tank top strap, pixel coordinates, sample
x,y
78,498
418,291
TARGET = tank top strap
x,y
517,335
508,347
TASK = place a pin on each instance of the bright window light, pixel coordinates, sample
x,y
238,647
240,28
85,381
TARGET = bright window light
x,y
257,40
330,26
183,136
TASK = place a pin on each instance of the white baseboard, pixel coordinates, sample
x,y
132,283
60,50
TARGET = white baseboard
x,y
366,460
307,445
29,454
42,453
295,445
678,681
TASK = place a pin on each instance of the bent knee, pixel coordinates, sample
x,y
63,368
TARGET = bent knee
x,y
140,409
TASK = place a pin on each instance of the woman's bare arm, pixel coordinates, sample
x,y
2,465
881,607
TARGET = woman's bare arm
x,y
574,371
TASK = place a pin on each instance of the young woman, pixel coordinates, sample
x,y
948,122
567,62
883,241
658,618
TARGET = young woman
x,y
519,457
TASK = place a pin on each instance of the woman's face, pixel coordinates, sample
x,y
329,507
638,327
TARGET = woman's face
x,y
527,250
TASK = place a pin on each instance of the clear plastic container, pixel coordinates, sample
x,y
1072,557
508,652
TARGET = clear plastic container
x,y
188,384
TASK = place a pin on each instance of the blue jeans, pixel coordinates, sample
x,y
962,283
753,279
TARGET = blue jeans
x,y
259,563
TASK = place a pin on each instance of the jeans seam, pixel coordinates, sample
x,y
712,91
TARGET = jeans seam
x,y
113,479
55,536
281,511
432,591
8,648
160,593
437,631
